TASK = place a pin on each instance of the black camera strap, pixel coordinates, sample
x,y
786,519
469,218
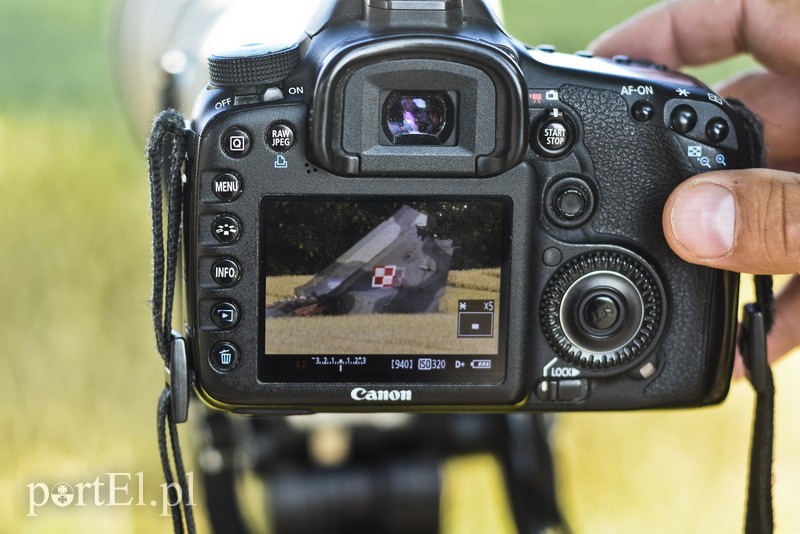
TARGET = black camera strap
x,y
166,153
757,321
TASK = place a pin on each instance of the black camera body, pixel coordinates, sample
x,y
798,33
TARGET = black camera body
x,y
411,211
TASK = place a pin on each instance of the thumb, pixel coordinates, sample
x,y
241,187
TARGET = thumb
x,y
744,220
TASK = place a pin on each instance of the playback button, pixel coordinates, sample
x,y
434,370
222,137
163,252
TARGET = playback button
x,y
223,357
225,315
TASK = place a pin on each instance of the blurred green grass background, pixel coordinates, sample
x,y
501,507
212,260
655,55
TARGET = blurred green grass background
x,y
80,373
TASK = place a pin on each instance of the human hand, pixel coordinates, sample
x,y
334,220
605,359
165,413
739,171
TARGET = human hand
x,y
739,220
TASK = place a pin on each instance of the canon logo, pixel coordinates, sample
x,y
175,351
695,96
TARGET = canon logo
x,y
361,394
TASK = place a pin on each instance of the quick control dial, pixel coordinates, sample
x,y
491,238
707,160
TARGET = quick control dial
x,y
601,310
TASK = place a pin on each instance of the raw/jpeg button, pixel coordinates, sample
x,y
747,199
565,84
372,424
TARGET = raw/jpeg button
x,y
280,137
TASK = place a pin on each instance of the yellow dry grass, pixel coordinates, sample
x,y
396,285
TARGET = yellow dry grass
x,y
420,333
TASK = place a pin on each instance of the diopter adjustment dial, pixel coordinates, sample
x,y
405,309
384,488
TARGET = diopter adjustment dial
x,y
253,64
602,309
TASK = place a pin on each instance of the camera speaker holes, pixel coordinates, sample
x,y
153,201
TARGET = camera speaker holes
x,y
310,169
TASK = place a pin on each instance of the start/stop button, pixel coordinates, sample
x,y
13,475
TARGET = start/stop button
x,y
553,134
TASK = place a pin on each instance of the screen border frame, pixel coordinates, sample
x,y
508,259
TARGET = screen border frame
x,y
494,376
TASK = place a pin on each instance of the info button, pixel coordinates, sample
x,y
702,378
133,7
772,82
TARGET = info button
x,y
226,272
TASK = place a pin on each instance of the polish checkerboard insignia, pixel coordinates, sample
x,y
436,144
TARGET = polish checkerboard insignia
x,y
385,276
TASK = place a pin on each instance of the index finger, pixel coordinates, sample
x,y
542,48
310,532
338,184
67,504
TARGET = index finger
x,y
696,32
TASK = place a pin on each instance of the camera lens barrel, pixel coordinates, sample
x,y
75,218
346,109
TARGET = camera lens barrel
x,y
399,497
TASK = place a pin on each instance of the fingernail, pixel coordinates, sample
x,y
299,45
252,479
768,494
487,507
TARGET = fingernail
x,y
704,220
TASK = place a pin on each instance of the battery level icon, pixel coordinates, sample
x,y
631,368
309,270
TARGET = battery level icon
x,y
481,364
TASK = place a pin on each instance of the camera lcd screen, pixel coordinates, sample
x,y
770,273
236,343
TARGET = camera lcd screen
x,y
391,289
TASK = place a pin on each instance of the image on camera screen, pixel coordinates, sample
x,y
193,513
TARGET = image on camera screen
x,y
382,276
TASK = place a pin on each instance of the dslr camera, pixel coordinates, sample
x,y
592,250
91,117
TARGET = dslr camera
x,y
409,210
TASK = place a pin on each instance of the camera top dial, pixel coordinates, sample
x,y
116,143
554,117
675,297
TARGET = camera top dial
x,y
253,64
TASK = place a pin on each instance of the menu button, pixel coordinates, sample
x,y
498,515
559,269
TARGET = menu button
x,y
227,186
